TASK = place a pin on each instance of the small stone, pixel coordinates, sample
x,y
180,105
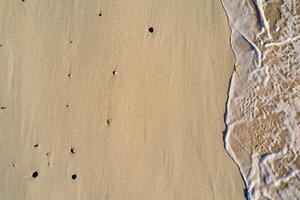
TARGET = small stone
x,y
237,69
74,176
35,174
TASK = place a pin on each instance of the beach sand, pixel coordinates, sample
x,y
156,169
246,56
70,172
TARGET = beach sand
x,y
129,96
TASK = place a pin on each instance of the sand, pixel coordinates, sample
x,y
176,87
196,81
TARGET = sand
x,y
94,106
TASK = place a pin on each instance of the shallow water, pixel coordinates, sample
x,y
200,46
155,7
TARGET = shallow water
x,y
263,109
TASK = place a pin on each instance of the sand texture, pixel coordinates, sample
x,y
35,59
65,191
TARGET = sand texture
x,y
263,118
97,106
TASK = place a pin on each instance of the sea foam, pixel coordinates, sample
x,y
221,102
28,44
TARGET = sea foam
x,y
263,108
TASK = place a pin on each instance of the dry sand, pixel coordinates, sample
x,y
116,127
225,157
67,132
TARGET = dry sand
x,y
151,131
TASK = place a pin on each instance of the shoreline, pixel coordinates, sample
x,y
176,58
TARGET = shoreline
x,y
225,131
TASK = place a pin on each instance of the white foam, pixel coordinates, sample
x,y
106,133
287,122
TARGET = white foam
x,y
267,85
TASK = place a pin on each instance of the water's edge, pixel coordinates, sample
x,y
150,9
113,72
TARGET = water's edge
x,y
246,194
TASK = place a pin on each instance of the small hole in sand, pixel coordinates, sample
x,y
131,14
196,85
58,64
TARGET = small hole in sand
x,y
108,121
3,108
69,75
35,174
151,29
115,73
71,41
36,145
67,106
72,150
74,176
100,14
